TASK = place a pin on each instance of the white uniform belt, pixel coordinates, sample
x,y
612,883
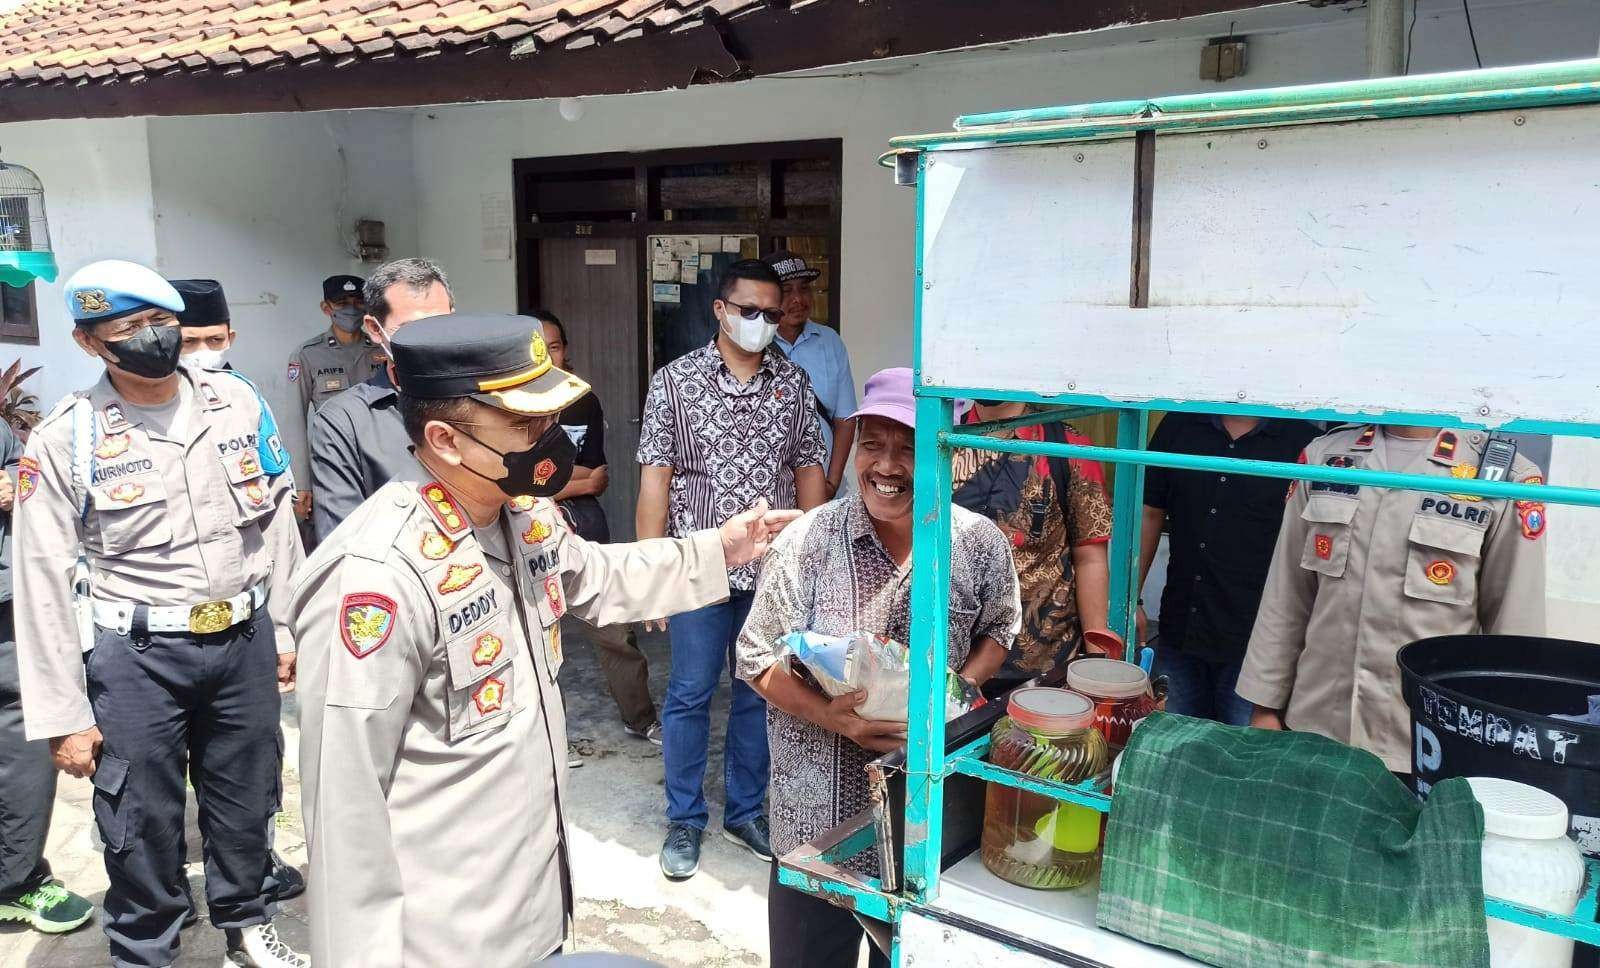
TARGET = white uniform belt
x,y
199,619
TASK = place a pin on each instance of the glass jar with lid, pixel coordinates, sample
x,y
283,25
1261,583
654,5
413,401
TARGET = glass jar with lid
x,y
1121,693
1030,839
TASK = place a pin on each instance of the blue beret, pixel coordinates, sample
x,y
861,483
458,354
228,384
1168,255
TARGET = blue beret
x,y
112,288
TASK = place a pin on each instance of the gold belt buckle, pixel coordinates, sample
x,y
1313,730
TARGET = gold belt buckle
x,y
208,617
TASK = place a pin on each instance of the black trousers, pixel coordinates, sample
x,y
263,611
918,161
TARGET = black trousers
x,y
27,782
807,932
167,705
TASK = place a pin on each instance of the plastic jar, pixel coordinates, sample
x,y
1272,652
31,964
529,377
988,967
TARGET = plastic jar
x,y
1527,858
1121,694
1034,840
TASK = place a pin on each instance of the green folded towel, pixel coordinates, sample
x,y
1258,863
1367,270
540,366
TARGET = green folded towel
x,y
1244,847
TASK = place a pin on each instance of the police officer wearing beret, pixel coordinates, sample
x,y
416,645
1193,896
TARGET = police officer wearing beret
x,y
324,366
167,489
433,738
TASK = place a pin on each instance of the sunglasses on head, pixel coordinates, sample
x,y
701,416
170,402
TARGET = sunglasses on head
x,y
772,316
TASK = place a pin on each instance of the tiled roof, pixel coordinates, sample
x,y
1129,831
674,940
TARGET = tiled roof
x,y
93,42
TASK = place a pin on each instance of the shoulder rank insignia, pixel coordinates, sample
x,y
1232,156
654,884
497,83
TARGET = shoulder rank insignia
x,y
444,509
1445,449
1440,572
543,471
27,477
490,696
487,649
537,532
522,502
366,620
126,493
457,577
112,418
1367,436
209,392
434,545
114,445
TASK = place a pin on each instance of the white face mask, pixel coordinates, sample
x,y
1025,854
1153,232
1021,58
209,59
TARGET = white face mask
x,y
208,359
750,335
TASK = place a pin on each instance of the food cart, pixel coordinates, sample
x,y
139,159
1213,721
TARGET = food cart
x,y
1412,250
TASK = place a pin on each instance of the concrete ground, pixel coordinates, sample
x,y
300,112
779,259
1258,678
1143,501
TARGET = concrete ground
x,y
715,920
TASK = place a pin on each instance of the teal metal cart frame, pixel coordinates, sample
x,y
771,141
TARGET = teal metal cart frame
x,y
814,868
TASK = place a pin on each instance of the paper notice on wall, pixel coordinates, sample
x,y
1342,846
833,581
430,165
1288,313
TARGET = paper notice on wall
x,y
732,244
691,262
599,257
664,270
665,292
494,210
677,248
690,274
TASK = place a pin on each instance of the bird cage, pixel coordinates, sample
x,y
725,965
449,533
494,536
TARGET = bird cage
x,y
24,234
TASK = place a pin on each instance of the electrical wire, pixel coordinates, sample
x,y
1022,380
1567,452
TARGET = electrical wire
x,y
1411,32
1465,9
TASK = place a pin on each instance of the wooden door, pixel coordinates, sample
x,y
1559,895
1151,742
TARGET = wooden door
x,y
592,284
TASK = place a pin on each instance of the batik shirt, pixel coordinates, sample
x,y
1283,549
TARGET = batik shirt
x,y
829,573
1024,496
729,443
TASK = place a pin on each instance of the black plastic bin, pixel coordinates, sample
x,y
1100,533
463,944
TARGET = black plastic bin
x,y
1481,704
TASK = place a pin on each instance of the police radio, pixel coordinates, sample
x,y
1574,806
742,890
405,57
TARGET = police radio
x,y
1495,464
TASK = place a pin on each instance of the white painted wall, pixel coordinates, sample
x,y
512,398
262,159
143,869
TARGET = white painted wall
x,y
96,177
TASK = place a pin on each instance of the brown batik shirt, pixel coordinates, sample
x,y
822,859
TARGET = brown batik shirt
x,y
1023,496
829,573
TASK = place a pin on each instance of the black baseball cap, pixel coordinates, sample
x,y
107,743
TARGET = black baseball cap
x,y
342,287
498,360
203,302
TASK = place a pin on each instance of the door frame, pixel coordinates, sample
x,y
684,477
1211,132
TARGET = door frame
x,y
645,166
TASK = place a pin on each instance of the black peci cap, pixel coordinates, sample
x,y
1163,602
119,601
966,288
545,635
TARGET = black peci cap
x,y
341,287
498,360
203,302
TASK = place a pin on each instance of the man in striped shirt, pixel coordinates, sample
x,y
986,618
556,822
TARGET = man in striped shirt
x,y
725,427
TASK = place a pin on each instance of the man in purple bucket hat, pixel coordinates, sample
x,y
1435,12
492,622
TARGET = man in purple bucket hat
x,y
841,568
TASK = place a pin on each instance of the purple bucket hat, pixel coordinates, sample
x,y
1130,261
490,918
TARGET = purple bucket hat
x,y
889,395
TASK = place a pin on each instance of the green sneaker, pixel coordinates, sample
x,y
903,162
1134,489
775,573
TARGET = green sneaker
x,y
52,909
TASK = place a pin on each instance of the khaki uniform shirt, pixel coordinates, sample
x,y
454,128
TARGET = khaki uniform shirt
x,y
171,521
320,369
433,737
1359,572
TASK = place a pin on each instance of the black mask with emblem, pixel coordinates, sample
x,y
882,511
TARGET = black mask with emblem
x,y
152,352
540,471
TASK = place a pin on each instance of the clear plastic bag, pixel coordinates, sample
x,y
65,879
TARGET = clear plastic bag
x,y
874,663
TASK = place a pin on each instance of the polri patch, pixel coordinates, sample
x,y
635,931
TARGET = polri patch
x,y
126,493
112,446
555,595
294,373
1440,572
366,620
27,478
1533,521
489,696
487,649
1324,545
537,532
434,545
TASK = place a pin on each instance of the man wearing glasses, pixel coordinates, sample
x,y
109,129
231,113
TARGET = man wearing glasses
x,y
725,427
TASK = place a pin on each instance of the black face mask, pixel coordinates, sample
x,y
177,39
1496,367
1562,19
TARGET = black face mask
x,y
152,352
540,471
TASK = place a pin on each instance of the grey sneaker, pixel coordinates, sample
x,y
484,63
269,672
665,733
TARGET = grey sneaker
x,y
651,732
751,836
574,758
680,855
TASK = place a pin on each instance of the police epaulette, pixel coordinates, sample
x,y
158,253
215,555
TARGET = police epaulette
x,y
63,406
382,530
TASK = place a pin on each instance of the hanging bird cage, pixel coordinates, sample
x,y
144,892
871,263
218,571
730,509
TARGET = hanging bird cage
x,y
25,252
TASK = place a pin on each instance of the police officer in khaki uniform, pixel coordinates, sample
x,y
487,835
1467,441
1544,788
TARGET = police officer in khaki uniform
x,y
326,365
172,485
433,738
1359,572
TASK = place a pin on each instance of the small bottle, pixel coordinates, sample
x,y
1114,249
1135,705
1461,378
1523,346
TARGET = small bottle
x,y
1033,840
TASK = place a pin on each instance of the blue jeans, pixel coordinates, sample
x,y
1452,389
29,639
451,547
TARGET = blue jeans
x,y
702,646
1202,688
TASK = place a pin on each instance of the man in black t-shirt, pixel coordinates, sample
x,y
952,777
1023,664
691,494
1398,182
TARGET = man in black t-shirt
x,y
626,669
1222,528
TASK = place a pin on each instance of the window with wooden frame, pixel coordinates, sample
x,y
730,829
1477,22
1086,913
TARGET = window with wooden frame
x,y
19,315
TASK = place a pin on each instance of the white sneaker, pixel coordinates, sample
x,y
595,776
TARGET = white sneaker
x,y
574,758
259,946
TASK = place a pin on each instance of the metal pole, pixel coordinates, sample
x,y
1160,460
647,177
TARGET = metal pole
x,y
1127,517
1386,40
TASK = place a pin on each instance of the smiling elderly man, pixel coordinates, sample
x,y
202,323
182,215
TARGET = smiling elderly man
x,y
846,567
